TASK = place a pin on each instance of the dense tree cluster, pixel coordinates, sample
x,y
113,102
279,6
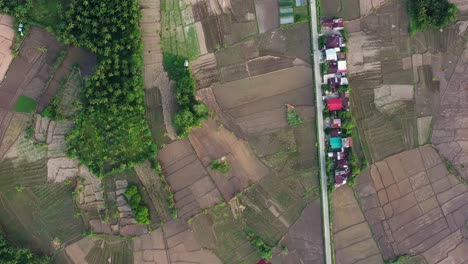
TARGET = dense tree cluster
x,y
17,8
10,254
431,14
111,133
192,111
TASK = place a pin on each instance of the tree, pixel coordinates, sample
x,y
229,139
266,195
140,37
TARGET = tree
x,y
183,121
10,254
431,14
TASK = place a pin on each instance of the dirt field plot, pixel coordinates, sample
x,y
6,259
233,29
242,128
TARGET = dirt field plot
x,y
303,239
193,187
450,129
7,35
258,104
352,236
11,126
213,141
70,94
415,206
267,15
220,232
40,217
382,94
348,9
100,250
30,72
84,60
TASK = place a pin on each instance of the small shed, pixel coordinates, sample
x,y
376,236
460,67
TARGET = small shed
x,y
335,142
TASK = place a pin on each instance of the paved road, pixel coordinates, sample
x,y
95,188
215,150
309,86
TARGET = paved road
x,y
320,133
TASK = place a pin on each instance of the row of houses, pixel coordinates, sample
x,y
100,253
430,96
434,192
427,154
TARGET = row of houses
x,y
335,80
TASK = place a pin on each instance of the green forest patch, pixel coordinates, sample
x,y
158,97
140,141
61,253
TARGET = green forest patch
x,y
25,104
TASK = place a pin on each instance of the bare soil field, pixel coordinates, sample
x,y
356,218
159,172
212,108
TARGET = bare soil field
x,y
267,15
91,250
11,126
192,185
160,101
85,61
353,241
30,72
346,9
257,104
212,141
415,206
383,95
7,35
303,239
40,217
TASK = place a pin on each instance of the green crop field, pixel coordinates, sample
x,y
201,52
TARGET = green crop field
x,y
25,104
178,31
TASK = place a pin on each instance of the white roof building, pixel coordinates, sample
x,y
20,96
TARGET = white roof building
x,y
342,66
344,81
331,55
328,76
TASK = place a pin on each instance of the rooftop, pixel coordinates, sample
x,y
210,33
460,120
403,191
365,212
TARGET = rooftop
x,y
335,104
335,142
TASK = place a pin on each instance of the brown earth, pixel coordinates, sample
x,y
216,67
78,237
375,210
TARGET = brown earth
x,y
353,241
303,239
7,35
86,62
30,72
192,185
267,15
262,110
415,206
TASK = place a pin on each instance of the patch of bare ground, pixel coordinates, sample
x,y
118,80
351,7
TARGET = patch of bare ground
x,y
451,72
159,90
303,239
7,35
86,62
262,110
30,72
415,206
352,236
11,126
212,141
192,185
385,103
267,15
104,249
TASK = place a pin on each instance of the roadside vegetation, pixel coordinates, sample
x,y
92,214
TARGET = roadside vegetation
x,y
12,254
111,133
192,111
430,14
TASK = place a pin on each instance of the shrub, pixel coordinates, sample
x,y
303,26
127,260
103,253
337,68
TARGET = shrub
x,y
221,165
322,41
326,87
134,200
12,254
262,248
293,118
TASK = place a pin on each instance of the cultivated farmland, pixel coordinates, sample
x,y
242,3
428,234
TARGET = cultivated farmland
x,y
415,206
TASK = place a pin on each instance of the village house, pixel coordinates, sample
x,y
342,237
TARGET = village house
x,y
346,142
334,24
335,42
335,104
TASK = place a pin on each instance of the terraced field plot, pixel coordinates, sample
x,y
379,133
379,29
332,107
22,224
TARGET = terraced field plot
x,y
415,206
40,217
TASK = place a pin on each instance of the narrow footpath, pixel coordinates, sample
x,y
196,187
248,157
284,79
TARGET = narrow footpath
x,y
320,131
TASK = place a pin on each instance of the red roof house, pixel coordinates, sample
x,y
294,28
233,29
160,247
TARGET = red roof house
x,y
335,104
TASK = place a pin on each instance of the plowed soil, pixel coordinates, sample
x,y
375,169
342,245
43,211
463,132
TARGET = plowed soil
x,y
415,206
